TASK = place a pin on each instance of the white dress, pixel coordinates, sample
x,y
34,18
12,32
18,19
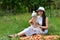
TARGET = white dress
x,y
28,31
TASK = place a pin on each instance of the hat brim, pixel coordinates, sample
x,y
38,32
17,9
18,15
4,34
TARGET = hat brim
x,y
40,10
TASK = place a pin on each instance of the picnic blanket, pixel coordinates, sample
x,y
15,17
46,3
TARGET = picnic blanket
x,y
41,37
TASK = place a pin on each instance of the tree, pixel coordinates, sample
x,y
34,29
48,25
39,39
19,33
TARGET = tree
x,y
14,5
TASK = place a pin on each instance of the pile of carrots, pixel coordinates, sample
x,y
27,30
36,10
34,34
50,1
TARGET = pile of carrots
x,y
41,37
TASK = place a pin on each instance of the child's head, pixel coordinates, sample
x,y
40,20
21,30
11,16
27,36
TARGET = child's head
x,y
34,14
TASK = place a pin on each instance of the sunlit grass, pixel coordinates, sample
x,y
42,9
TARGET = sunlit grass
x,y
12,24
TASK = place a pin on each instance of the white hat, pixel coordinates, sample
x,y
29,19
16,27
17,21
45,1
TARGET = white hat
x,y
41,8
34,13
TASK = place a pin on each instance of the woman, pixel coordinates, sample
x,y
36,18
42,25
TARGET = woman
x,y
43,24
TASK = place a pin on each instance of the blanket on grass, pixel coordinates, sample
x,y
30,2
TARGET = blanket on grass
x,y
41,37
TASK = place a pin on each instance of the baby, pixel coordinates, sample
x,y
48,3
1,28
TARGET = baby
x,y
34,22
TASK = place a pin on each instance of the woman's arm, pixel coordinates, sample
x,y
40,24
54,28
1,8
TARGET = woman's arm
x,y
45,27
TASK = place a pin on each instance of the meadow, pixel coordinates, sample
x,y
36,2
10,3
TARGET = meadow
x,y
12,24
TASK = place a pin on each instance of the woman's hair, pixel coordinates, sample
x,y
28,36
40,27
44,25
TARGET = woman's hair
x,y
44,19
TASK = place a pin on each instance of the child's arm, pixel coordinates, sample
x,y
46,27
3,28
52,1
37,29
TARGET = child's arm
x,y
31,23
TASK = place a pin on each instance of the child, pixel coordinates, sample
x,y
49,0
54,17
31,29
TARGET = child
x,y
34,23
33,20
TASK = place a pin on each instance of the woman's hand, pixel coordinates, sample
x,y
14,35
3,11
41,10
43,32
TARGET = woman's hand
x,y
39,26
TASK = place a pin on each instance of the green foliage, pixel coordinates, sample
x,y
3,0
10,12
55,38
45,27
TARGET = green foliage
x,y
21,5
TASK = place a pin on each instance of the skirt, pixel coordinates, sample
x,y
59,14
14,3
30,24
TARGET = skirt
x,y
29,32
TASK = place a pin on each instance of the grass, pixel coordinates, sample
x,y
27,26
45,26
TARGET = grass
x,y
12,24
54,25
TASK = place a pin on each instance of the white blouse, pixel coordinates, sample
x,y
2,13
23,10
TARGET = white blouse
x,y
39,19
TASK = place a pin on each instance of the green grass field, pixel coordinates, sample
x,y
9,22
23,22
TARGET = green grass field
x,y
12,24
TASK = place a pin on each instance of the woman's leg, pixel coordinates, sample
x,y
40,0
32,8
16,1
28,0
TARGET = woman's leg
x,y
18,34
21,34
24,32
28,32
